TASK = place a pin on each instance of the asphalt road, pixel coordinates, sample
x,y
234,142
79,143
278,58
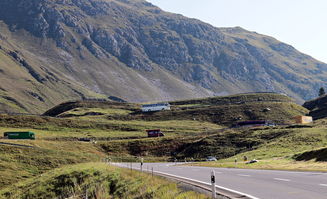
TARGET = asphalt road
x,y
263,184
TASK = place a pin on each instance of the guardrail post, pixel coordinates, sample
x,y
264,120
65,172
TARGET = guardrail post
x,y
213,183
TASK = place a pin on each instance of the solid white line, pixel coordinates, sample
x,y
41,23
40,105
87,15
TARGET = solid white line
x,y
281,179
325,185
243,175
220,187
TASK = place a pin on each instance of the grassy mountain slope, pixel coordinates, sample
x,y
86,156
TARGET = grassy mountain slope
x,y
220,110
298,148
134,50
28,86
191,126
97,180
119,131
317,107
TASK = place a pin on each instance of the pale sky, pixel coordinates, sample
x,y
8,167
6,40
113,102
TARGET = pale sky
x,y
300,23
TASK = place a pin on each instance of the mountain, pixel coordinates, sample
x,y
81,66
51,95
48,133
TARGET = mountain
x,y
57,50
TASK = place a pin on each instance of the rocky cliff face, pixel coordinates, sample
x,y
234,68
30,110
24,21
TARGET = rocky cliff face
x,y
136,51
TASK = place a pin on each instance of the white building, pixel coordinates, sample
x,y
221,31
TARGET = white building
x,y
155,107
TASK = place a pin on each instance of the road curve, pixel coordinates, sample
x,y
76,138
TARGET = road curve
x,y
263,184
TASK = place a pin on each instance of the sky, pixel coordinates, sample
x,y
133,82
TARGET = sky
x,y
300,23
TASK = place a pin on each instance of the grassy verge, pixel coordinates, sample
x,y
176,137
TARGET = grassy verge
x,y
96,180
279,148
18,163
270,164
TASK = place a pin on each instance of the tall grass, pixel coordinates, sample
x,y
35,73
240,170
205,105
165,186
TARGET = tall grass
x,y
96,181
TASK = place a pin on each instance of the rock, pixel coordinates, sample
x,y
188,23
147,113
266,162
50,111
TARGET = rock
x,y
93,48
143,37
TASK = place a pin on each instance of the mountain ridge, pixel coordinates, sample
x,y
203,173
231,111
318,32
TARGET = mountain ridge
x,y
136,51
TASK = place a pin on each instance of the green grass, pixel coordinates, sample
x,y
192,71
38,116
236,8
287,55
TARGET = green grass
x,y
172,127
269,164
280,148
56,142
192,131
85,111
237,98
224,111
106,129
99,181
229,114
71,134
17,163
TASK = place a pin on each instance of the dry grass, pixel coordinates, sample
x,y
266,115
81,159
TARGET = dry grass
x,y
100,180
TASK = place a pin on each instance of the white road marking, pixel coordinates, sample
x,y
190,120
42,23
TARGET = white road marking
x,y
218,172
195,169
325,185
281,179
243,175
220,187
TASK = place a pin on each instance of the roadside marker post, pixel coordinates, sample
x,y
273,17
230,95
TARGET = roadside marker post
x,y
142,164
213,183
152,171
86,196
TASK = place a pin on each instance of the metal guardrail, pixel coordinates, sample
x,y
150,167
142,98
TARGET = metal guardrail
x,y
19,145
222,191
207,186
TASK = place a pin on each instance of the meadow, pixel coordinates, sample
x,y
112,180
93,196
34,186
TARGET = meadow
x,y
193,131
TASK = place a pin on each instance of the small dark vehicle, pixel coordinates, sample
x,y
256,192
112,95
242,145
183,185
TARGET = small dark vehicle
x,y
252,161
155,133
85,139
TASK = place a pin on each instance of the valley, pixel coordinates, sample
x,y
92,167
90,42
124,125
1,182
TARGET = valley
x,y
91,131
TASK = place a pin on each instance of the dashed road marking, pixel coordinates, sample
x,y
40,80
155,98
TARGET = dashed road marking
x,y
243,175
325,185
282,179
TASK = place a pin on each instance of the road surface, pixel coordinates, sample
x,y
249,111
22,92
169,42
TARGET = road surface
x,y
263,184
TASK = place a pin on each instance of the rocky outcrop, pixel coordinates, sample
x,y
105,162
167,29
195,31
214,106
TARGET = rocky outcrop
x,y
145,38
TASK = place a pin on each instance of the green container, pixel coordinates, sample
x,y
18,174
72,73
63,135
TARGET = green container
x,y
20,135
